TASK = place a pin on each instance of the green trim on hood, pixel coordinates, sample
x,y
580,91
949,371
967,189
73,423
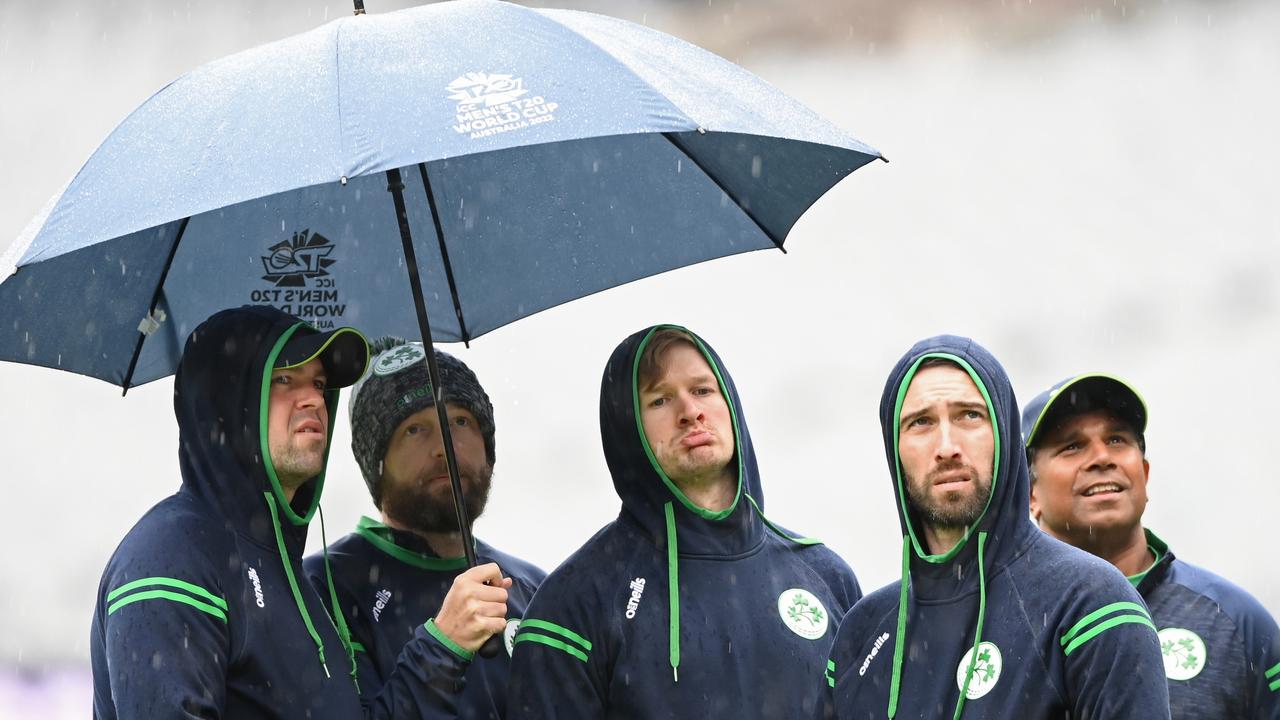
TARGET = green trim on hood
x,y
897,459
379,535
331,401
644,440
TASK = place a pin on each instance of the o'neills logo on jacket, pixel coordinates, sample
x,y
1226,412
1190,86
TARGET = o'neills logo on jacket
x,y
880,641
257,588
380,600
637,590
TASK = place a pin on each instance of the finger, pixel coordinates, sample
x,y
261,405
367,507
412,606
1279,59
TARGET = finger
x,y
489,610
487,593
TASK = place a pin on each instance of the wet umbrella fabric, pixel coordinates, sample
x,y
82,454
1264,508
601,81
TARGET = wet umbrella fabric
x,y
546,154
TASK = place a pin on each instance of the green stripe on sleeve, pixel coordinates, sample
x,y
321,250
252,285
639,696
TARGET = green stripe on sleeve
x,y
534,624
1103,627
532,637
166,595
1274,671
1275,685
438,634
168,582
1100,613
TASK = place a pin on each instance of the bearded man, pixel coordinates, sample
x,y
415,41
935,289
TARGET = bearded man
x,y
390,576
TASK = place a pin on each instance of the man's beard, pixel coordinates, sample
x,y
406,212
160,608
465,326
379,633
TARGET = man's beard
x,y
960,512
412,506
295,465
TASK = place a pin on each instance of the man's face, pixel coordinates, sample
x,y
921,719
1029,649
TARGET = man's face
x,y
685,417
416,492
297,423
1090,475
946,445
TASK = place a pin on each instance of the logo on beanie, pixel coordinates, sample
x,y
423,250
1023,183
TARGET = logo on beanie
x,y
397,359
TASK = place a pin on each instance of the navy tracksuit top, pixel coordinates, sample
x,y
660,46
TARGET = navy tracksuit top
x,y
672,611
1029,626
388,582
203,610
1221,648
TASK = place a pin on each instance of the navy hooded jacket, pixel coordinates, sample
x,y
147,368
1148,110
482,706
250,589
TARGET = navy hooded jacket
x,y
388,581
202,610
673,611
1221,648
1028,626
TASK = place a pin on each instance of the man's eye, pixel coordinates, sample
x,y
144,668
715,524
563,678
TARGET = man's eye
x,y
1070,447
413,430
973,415
918,422
462,421
657,402
320,385
281,380
702,391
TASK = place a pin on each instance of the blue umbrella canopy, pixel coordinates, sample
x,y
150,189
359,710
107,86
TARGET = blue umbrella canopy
x,y
545,155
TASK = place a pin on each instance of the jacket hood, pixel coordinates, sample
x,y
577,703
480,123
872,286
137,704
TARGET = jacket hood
x,y
645,489
1008,509
1003,530
220,395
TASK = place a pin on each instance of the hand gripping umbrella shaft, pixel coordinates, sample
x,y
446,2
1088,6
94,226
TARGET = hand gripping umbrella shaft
x,y
395,184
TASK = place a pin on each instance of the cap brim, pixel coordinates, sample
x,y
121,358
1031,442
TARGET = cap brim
x,y
1094,391
343,352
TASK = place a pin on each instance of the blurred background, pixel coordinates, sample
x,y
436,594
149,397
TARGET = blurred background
x,y
1078,184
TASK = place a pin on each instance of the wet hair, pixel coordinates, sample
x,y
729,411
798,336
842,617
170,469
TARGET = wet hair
x,y
659,343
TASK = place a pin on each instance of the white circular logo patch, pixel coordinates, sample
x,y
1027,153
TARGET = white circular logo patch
x,y
509,635
1184,653
986,671
398,358
803,613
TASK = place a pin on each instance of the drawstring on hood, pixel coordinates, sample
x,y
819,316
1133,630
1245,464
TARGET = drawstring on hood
x,y
998,531
221,400
651,501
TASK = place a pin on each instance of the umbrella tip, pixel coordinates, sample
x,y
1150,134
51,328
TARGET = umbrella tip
x,y
359,7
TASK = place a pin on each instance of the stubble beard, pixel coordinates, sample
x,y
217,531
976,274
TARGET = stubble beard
x,y
422,511
955,509
295,465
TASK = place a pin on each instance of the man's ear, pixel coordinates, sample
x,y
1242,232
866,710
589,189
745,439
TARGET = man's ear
x,y
1035,505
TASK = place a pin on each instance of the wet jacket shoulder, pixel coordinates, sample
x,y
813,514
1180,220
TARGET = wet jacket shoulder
x,y
388,583
1221,647
1009,622
674,611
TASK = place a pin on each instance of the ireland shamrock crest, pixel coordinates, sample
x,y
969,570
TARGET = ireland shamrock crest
x,y
1184,653
986,670
803,613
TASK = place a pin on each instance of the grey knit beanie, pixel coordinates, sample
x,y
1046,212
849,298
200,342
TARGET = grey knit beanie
x,y
397,385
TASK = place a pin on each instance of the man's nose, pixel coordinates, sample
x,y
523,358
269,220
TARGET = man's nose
x,y
311,396
689,409
948,448
1099,457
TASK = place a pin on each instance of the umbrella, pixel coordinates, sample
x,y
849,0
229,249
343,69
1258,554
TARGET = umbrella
x,y
487,160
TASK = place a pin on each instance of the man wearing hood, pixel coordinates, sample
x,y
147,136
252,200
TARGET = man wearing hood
x,y
391,575
992,618
202,610
691,604
1086,447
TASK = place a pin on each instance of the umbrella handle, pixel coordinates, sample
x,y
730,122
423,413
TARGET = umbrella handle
x,y
490,647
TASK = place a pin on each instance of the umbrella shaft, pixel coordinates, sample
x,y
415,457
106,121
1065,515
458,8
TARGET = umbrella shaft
x,y
395,184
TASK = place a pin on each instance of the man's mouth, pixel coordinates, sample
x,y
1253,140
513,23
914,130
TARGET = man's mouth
x,y
949,478
697,438
309,427
1106,488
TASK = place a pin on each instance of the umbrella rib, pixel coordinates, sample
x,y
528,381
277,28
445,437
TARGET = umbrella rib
x,y
444,255
155,300
679,145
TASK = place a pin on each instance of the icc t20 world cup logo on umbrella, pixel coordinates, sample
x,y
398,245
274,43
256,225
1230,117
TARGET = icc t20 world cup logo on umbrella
x,y
291,262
